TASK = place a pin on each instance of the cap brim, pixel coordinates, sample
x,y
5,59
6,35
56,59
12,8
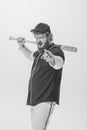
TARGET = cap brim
x,y
37,31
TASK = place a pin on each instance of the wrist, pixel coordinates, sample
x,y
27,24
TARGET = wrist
x,y
21,47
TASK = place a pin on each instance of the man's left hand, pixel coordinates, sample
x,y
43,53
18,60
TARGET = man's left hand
x,y
48,57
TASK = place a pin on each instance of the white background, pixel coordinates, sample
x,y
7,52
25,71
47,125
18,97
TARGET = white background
x,y
68,22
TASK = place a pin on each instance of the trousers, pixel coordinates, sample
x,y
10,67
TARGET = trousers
x,y
40,115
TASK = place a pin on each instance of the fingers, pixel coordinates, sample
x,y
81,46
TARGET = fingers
x,y
46,51
44,55
21,40
47,55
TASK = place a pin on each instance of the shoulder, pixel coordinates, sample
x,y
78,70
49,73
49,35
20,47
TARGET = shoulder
x,y
35,54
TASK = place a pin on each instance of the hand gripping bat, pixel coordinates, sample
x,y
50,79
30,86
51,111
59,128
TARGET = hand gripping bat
x,y
63,47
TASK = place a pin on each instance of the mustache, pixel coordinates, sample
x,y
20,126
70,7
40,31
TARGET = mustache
x,y
39,43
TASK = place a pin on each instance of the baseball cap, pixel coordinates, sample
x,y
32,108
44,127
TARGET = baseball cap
x,y
42,28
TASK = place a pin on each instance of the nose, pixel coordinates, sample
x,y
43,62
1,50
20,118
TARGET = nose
x,y
38,40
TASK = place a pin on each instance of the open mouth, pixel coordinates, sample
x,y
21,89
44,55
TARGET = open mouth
x,y
40,43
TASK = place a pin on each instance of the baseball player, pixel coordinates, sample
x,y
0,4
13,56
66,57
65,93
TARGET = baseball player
x,y
45,78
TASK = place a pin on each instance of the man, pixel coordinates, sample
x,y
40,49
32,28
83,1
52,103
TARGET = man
x,y
45,79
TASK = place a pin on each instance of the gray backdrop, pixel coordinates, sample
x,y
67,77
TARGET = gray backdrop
x,y
68,21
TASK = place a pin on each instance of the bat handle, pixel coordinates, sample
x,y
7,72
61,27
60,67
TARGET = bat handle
x,y
27,41
12,38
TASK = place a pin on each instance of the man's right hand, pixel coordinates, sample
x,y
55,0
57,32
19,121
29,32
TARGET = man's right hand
x,y
21,41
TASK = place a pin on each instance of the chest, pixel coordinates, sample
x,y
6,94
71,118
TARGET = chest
x,y
40,64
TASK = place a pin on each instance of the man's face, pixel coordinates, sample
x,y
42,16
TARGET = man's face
x,y
41,39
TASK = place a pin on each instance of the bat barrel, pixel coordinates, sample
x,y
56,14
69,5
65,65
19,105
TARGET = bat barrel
x,y
69,48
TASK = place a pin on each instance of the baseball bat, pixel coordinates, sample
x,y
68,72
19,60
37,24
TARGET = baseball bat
x,y
63,47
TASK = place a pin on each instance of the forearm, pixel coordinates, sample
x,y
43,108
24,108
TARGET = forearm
x,y
28,53
57,62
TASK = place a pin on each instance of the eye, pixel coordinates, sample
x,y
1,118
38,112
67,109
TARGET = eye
x,y
37,38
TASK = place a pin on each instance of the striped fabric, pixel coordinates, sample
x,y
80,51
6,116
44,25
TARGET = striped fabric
x,y
40,115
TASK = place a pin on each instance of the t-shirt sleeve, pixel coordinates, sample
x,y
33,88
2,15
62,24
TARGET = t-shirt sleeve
x,y
35,54
58,52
